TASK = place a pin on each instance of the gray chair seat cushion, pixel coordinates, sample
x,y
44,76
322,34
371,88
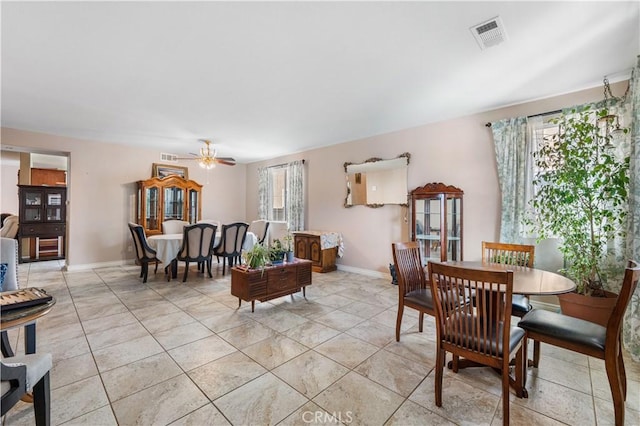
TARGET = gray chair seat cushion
x,y
420,297
569,329
520,305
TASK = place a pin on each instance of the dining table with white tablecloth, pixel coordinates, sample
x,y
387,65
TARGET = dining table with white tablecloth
x,y
167,246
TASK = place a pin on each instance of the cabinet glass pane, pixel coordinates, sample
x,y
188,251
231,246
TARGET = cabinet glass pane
x,y
54,199
151,208
32,214
54,213
193,206
428,222
454,214
173,203
33,198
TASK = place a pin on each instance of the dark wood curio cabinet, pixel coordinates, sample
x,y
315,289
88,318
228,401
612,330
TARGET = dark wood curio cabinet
x,y
171,197
436,221
43,216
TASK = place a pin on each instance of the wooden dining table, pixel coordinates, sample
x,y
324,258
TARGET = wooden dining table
x,y
526,281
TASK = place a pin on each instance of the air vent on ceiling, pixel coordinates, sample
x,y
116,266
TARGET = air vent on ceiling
x,y
489,33
168,157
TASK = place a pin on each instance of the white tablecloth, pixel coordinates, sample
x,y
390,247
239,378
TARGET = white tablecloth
x,y
167,246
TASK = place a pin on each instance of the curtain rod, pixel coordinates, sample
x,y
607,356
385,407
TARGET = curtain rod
x,y
542,114
284,164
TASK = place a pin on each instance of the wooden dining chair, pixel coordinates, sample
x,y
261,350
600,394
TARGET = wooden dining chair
x,y
413,289
590,338
479,332
231,240
517,255
197,246
144,253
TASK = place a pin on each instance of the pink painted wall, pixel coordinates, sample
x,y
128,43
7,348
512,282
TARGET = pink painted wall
x,y
102,188
9,166
457,152
102,185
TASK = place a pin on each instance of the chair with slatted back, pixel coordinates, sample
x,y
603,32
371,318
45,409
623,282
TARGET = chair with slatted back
x,y
517,255
197,246
590,338
480,332
413,289
231,240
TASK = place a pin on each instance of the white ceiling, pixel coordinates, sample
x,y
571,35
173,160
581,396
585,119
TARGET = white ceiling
x,y
266,79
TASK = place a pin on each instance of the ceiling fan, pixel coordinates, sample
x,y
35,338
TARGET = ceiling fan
x,y
207,158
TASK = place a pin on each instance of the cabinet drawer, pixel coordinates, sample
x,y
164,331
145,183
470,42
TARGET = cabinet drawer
x,y
281,279
42,230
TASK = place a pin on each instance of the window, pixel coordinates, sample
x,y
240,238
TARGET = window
x,y
281,194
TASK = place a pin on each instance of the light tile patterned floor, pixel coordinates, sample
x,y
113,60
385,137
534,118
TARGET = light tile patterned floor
x,y
182,353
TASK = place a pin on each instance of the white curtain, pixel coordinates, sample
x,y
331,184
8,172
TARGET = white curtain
x,y
295,195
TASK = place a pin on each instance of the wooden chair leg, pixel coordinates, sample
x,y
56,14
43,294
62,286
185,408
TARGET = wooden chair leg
x,y
440,357
145,271
505,390
420,321
399,321
156,270
208,263
623,373
613,374
42,401
520,370
536,353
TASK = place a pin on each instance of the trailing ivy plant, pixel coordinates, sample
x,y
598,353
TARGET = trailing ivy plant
x,y
581,186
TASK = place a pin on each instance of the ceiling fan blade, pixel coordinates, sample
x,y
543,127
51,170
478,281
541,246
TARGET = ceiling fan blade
x,y
186,158
227,161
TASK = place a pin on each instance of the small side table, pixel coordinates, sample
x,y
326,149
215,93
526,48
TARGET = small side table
x,y
22,317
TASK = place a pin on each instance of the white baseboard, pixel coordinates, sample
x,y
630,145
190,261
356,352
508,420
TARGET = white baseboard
x,y
545,306
98,265
367,272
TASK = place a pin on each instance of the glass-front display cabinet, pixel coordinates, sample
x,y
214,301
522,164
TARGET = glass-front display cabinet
x,y
171,197
436,221
42,222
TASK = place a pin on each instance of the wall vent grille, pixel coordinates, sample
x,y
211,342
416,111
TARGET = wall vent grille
x,y
489,33
172,158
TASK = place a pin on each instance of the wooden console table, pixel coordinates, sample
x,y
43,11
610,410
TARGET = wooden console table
x,y
317,247
272,282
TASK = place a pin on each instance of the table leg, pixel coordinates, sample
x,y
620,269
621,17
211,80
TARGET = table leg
x,y
7,351
30,338
174,268
253,305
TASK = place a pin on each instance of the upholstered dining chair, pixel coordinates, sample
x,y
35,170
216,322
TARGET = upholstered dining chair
x,y
517,255
260,229
197,246
413,289
144,253
10,226
8,257
217,223
173,226
479,332
590,338
27,373
231,241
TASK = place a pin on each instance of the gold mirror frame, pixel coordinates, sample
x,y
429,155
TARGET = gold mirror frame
x,y
359,173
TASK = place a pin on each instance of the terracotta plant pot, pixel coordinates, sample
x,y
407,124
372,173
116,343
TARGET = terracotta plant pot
x,y
594,309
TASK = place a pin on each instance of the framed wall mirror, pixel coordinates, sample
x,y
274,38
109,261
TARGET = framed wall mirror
x,y
377,182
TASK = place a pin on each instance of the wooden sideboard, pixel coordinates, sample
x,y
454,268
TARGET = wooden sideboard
x,y
271,282
308,246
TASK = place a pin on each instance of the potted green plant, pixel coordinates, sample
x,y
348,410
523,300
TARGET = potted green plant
x,y
288,246
257,257
581,191
277,252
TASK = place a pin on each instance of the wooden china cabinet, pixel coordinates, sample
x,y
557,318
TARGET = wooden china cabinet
x,y
171,197
42,222
436,221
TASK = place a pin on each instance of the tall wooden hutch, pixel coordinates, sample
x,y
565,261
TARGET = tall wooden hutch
x,y
171,197
42,222
436,221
